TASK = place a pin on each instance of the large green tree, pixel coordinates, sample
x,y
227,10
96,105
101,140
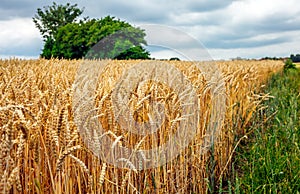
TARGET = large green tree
x,y
108,37
104,38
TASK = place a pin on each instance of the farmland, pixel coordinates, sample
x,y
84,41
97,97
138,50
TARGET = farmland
x,y
42,150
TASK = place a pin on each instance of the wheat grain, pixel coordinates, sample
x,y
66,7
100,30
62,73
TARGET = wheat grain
x,y
64,155
102,174
38,131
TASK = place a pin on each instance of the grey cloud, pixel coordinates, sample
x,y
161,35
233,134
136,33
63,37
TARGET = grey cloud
x,y
17,8
18,4
278,23
223,43
206,6
242,35
272,23
132,11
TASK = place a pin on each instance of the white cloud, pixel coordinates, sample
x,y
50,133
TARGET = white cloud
x,y
19,37
255,11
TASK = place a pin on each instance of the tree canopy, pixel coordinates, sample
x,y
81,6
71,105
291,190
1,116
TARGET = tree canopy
x,y
295,58
49,20
108,37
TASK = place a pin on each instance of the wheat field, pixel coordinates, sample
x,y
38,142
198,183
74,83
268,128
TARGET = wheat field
x,y
42,151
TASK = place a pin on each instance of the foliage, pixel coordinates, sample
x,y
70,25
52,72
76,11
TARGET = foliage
x,y
66,38
51,18
270,161
289,64
104,38
272,58
174,59
136,52
295,58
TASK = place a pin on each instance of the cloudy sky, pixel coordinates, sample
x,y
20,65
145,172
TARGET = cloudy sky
x,y
226,28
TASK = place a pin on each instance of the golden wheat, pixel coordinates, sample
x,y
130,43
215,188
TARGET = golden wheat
x,y
41,150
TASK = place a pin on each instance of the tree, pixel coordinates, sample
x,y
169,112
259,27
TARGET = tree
x,y
65,37
105,38
49,20
174,59
295,58
48,47
289,64
136,52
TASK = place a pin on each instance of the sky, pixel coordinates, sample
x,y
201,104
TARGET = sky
x,y
225,28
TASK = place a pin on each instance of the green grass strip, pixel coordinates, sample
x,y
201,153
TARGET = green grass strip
x,y
269,161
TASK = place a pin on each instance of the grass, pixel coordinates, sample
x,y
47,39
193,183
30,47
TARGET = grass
x,y
269,161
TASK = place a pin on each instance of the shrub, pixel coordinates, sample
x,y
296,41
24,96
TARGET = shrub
x,y
289,64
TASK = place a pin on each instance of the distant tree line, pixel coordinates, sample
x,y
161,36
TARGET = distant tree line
x,y
273,58
67,37
294,58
